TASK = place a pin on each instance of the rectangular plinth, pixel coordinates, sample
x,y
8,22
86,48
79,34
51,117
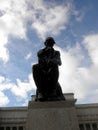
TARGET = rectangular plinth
x,y
59,115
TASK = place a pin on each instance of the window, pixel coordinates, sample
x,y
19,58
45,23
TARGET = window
x,y
94,125
7,128
1,128
81,126
14,128
20,128
88,127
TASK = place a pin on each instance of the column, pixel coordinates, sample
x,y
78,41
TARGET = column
x,y
11,128
91,126
84,127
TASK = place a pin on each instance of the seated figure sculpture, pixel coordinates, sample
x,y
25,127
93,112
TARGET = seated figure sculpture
x,y
46,73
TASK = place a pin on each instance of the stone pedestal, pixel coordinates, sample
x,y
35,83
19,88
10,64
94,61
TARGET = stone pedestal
x,y
59,115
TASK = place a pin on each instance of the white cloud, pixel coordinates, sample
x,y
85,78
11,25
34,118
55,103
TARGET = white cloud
x,y
75,76
14,16
45,18
50,19
79,14
5,83
19,90
69,71
2,79
28,56
4,54
11,23
91,44
3,99
22,88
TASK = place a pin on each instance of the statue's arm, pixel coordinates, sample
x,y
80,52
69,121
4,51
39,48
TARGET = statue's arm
x,y
56,59
41,57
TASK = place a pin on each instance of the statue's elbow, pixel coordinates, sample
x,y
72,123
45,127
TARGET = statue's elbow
x,y
60,63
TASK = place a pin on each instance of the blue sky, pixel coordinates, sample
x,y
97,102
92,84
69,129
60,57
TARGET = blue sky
x,y
25,24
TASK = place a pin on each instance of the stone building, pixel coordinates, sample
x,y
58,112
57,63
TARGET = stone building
x,y
14,118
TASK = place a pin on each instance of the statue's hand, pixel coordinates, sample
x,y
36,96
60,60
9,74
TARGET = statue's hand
x,y
51,63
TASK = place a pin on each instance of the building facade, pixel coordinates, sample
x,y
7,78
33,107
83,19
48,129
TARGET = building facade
x,y
87,116
14,118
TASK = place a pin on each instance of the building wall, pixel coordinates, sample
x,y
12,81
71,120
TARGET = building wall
x,y
87,116
14,118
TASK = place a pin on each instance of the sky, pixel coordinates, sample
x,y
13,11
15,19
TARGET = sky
x,y
24,26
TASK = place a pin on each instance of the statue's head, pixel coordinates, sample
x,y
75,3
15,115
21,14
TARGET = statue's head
x,y
49,42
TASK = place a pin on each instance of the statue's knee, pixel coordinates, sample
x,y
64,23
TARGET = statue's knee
x,y
35,68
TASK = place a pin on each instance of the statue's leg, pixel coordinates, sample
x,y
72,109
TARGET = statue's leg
x,y
51,83
55,88
36,75
59,93
40,81
53,75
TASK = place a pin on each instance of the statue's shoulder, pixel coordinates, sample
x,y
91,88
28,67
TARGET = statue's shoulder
x,y
57,52
40,52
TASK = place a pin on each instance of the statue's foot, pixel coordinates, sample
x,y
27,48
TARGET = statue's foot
x,y
40,97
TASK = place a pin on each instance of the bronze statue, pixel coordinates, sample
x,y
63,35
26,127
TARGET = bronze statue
x,y
46,73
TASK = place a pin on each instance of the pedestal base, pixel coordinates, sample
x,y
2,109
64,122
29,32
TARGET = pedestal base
x,y
59,115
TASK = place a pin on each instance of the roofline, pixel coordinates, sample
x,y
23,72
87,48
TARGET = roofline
x,y
14,108
89,105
